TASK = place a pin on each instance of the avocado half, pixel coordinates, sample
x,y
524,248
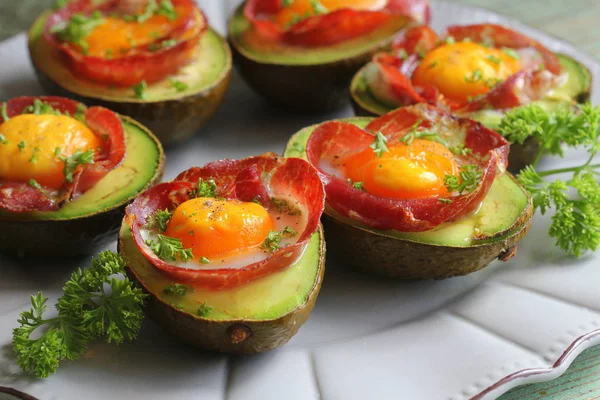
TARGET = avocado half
x,y
310,79
93,218
172,115
576,88
253,318
458,248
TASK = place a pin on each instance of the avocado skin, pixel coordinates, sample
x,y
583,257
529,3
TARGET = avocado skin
x,y
397,258
69,237
221,335
172,121
312,88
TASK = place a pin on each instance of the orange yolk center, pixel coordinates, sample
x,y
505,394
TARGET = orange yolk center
x,y
464,70
403,172
213,228
306,8
115,36
30,143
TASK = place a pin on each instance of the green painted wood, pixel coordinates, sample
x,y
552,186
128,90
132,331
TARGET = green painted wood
x,y
573,20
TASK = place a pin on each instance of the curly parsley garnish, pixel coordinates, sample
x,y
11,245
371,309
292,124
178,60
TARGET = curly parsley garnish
x,y
460,150
86,311
379,145
204,310
206,188
467,181
21,145
356,185
575,199
422,134
159,220
475,76
168,248
273,240
3,139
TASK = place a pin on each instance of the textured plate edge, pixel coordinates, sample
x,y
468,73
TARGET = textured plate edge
x,y
537,375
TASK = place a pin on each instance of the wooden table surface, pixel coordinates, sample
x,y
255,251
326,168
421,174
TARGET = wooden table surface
x,y
574,20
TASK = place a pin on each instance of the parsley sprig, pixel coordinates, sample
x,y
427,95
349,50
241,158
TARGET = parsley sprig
x,y
206,188
95,304
576,200
159,219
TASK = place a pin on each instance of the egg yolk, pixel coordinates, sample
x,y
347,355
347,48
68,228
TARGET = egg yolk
x,y
115,36
213,228
306,8
28,151
464,70
404,172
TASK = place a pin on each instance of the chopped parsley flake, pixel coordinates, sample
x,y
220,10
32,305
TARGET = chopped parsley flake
x,y
206,188
379,144
512,53
496,60
476,76
71,163
178,85
177,289
34,152
168,248
3,139
204,310
4,112
204,260
159,220
284,207
445,201
449,40
22,145
78,28
139,90
467,181
460,150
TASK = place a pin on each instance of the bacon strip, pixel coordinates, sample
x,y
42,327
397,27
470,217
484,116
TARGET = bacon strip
x,y
236,179
412,215
331,28
139,64
19,197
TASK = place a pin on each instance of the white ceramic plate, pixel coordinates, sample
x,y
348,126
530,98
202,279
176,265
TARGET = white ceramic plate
x,y
473,337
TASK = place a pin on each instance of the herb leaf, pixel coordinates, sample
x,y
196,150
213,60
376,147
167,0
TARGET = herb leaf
x,y
168,248
206,188
78,28
71,163
159,220
467,181
139,90
177,289
379,144
85,311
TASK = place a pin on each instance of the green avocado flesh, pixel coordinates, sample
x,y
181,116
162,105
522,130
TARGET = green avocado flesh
x,y
209,67
264,299
495,219
142,160
576,85
240,33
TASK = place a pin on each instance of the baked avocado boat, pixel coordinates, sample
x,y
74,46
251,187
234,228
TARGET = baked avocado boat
x,y
414,225
303,54
478,71
67,173
160,64
231,254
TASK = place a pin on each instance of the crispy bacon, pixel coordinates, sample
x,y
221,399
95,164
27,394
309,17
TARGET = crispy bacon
x,y
244,180
525,86
140,63
331,28
19,197
341,139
